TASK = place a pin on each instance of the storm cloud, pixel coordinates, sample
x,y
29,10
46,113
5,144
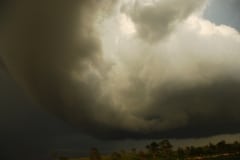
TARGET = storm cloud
x,y
86,62
2,66
45,41
154,20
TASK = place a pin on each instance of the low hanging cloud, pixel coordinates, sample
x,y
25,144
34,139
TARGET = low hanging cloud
x,y
91,63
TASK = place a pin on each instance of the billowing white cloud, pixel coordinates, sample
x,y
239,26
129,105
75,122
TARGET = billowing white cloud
x,y
155,19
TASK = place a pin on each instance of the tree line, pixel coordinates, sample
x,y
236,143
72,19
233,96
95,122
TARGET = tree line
x,y
164,150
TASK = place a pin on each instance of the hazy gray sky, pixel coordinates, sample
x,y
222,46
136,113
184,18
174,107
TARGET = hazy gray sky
x,y
154,69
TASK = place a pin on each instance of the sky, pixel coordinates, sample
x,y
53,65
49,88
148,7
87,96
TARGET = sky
x,y
117,74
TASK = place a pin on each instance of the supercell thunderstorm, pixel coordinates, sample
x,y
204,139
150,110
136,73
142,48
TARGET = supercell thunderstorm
x,y
123,68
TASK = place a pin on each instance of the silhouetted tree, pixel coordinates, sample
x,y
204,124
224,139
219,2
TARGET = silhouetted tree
x,y
142,155
153,149
94,154
62,158
211,149
116,156
221,146
236,146
180,153
166,149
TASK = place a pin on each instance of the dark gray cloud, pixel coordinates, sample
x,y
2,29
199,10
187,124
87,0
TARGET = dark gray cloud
x,y
208,109
26,130
57,51
2,66
45,41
